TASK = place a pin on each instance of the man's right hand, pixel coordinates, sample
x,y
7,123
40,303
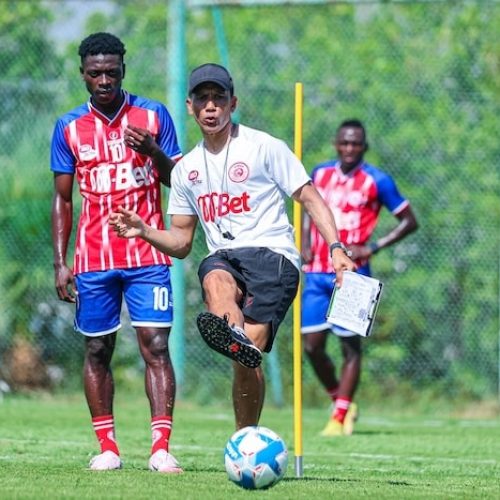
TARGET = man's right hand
x,y
65,283
127,224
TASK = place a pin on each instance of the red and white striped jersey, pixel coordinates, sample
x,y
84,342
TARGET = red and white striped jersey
x,y
355,200
90,145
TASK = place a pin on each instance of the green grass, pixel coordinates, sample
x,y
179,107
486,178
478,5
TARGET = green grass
x,y
46,442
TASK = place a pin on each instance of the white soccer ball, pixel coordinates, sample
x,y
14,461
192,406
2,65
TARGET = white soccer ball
x,y
255,458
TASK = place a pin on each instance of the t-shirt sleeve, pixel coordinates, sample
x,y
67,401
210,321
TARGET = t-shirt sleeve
x,y
167,137
285,168
178,199
389,195
62,159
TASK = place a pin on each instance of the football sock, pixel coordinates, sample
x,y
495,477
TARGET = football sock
x,y
104,428
333,393
161,427
341,407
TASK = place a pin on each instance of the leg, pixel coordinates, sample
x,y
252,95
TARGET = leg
x,y
160,389
351,367
97,375
222,326
98,311
223,296
248,394
249,383
345,414
159,373
315,349
99,391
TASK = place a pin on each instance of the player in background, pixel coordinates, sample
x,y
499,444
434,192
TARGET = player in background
x,y
120,147
235,183
355,192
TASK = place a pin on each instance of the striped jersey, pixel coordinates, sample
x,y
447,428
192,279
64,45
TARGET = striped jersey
x,y
355,200
88,144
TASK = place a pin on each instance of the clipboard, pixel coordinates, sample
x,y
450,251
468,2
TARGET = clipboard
x,y
355,304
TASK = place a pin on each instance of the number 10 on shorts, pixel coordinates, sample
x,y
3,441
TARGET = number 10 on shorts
x,y
160,302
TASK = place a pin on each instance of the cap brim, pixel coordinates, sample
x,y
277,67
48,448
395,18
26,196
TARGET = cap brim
x,y
220,83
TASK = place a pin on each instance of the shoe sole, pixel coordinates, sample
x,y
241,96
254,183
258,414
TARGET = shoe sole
x,y
102,469
218,335
106,469
170,470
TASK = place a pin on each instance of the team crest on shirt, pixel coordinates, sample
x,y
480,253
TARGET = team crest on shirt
x,y
356,199
193,177
238,172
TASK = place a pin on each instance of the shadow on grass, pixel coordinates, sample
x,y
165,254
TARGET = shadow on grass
x,y
338,480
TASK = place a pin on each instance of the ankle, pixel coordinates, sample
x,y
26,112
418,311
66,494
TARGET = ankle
x,y
104,428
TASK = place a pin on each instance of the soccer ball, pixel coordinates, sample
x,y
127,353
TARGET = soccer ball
x,y
255,458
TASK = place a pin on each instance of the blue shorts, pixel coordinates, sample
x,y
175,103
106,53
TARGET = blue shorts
x,y
316,294
147,292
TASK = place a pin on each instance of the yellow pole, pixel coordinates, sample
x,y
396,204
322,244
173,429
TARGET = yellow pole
x,y
297,337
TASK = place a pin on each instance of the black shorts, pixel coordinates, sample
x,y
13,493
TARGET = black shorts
x,y
268,280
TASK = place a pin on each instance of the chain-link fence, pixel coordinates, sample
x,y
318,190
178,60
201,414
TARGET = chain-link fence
x,y
423,77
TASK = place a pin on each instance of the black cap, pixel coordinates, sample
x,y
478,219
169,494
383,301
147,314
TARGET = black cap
x,y
213,73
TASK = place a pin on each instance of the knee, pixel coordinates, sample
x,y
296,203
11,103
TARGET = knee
x,y
352,354
353,357
217,284
98,350
156,348
312,350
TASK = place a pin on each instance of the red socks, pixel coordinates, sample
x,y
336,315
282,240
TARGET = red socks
x,y
161,427
341,407
104,428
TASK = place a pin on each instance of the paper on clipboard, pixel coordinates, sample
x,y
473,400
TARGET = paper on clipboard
x,y
354,305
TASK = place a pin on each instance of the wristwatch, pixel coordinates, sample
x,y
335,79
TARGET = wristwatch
x,y
373,247
337,244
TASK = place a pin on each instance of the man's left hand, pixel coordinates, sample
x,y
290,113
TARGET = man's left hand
x,y
341,262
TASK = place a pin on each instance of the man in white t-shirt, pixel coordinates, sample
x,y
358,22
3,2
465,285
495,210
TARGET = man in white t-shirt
x,y
235,182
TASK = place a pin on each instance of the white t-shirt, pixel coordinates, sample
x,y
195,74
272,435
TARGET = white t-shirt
x,y
239,194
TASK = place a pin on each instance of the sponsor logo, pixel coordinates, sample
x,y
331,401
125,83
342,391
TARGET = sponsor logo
x,y
193,177
87,152
216,205
122,176
238,172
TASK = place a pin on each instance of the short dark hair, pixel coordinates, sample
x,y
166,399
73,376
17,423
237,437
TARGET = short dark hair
x,y
354,123
101,43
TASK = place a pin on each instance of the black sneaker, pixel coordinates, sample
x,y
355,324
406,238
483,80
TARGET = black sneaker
x,y
228,341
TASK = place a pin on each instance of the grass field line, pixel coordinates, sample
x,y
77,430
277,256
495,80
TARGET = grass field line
x,y
205,449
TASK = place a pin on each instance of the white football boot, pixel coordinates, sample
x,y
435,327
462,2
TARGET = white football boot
x,y
163,461
108,460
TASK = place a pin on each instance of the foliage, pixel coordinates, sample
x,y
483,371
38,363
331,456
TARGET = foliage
x,y
424,77
26,73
